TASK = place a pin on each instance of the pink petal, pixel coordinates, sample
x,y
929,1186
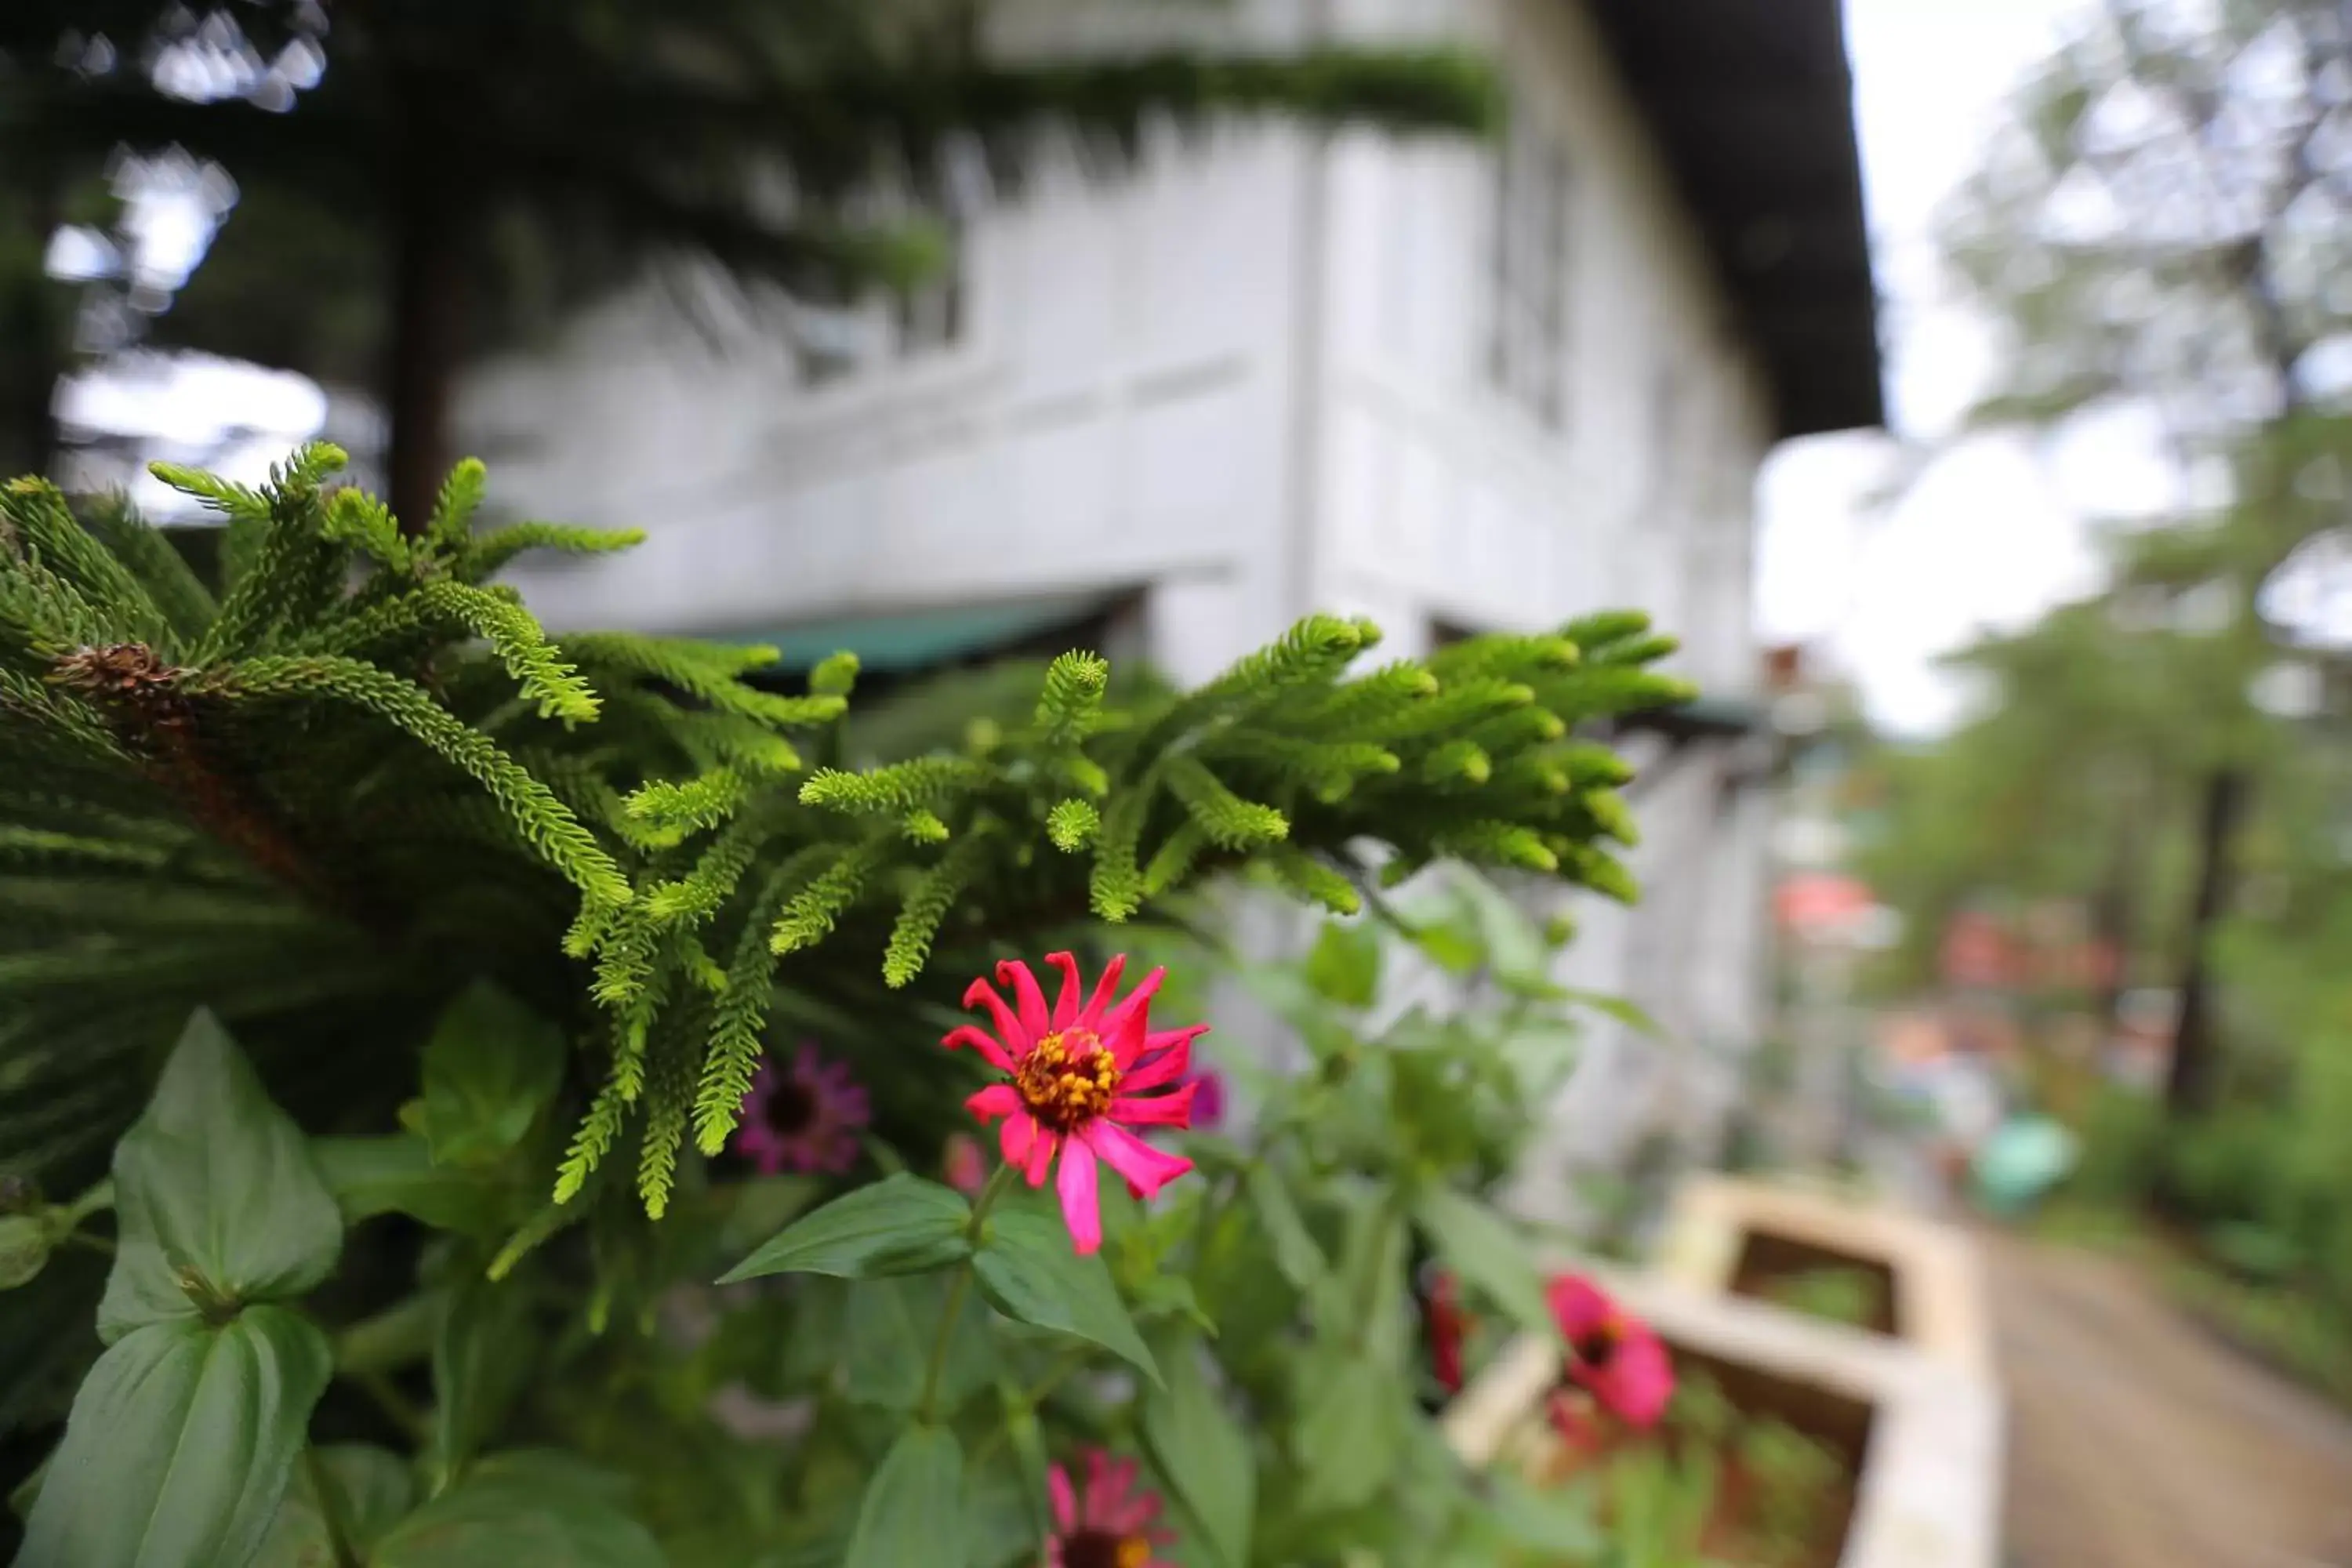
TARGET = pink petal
x,y
1157,1111
1641,1379
1090,1016
1034,1016
1017,1137
1017,1040
761,1145
1167,1067
1134,1512
1066,1001
1102,1493
1041,1156
1077,1187
1147,1169
1169,1039
997,1099
1065,1502
980,1040
1124,1026
1577,1305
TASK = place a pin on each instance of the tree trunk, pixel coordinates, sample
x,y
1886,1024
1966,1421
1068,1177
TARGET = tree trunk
x,y
2190,1085
426,348
2111,931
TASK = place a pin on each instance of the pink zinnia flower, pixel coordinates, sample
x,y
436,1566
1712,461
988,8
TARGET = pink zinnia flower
x,y
1073,1076
1110,1525
963,1164
806,1117
1611,1355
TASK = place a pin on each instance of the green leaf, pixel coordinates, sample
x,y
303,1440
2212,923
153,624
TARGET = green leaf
x,y
491,1066
371,1488
1000,1515
1294,1250
1027,1271
901,1225
1344,964
1556,1523
1202,1451
763,1205
180,1443
480,1356
1487,1251
886,1337
1350,1423
394,1173
545,1510
1624,1011
1171,1296
219,1199
913,1509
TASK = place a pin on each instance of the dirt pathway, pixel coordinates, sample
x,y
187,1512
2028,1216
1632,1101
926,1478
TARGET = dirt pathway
x,y
2137,1440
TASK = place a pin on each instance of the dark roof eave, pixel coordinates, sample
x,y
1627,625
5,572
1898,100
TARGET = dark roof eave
x,y
1751,102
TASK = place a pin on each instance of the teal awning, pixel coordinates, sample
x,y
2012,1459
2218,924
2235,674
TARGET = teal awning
x,y
921,639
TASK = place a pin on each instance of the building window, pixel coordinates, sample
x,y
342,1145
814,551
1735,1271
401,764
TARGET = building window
x,y
1529,362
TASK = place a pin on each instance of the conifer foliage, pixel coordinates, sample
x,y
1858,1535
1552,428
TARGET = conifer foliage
x,y
357,768
442,951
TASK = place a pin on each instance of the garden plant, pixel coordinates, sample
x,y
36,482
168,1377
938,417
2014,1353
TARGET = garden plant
x,y
473,1096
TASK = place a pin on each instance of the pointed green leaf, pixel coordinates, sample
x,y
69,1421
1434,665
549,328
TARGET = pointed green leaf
x,y
1487,1251
1351,1425
887,1333
481,1353
1202,1451
1028,1272
1000,1512
372,1488
180,1444
901,1225
547,1510
219,1198
913,1509
1296,1253
492,1065
394,1173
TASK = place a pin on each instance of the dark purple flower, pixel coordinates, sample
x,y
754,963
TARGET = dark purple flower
x,y
804,1117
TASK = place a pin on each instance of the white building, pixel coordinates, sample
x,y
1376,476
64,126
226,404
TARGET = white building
x,y
1450,386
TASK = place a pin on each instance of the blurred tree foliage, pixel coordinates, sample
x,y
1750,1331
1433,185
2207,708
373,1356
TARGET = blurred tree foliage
x,y
425,176
2161,233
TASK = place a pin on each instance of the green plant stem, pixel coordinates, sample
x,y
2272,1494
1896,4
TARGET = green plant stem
x,y
1071,1360
97,1244
396,1404
331,1512
929,1408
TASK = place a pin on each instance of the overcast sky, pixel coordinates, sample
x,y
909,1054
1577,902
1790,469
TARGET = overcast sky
x,y
1991,536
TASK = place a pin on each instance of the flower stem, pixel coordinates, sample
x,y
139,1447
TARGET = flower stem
x,y
957,1288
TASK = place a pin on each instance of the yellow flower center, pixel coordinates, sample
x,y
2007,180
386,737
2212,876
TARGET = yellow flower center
x,y
1067,1081
1101,1549
1599,1346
